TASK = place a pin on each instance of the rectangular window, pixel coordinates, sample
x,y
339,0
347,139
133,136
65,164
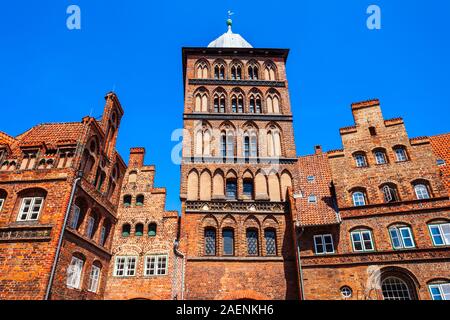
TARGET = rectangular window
x,y
156,265
30,209
94,279
271,242
231,189
74,272
125,266
248,188
210,242
401,237
323,244
440,291
440,233
252,242
400,153
362,240
228,242
75,217
90,227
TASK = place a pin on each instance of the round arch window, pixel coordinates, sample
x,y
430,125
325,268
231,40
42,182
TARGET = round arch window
x,y
394,288
346,292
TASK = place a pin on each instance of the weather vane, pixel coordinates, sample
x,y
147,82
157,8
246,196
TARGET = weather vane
x,y
230,13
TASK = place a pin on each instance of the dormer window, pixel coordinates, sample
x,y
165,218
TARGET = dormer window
x,y
28,160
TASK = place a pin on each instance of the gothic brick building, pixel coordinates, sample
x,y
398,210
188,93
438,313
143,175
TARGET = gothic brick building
x,y
373,217
145,264
59,189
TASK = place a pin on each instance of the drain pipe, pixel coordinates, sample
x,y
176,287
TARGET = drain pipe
x,y
61,236
300,263
176,244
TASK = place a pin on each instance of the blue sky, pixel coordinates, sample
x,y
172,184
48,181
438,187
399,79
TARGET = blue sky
x,y
51,74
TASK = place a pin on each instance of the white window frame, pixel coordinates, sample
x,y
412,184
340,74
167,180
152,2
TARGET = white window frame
x,y
30,206
423,187
75,216
401,238
363,245
2,201
156,268
442,234
360,160
363,199
75,273
442,294
94,278
323,242
126,266
400,157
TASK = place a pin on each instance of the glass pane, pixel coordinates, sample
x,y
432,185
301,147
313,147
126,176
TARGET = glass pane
x,y
231,189
210,242
395,238
436,234
252,242
446,232
228,240
248,188
269,235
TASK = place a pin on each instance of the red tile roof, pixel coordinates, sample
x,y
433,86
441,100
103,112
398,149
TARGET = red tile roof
x,y
441,148
323,212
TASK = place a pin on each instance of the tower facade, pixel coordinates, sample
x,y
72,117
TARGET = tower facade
x,y
239,159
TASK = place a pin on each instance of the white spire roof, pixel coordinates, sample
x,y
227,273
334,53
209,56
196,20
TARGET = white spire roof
x,y
230,40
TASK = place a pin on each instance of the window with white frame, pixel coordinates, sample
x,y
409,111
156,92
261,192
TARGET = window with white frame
x,y
359,198
401,237
362,240
75,216
125,266
400,154
94,278
30,208
421,191
74,273
440,233
323,244
156,265
380,157
360,160
440,291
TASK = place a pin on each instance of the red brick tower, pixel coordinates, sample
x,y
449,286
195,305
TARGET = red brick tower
x,y
239,159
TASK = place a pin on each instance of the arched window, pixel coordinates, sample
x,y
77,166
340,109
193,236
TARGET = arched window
x,y
28,160
228,241
201,101
152,229
380,156
94,277
421,190
236,72
255,103
140,200
271,241
139,230
362,240
394,288
219,102
359,198
202,70
390,193
247,191
360,159
126,230
75,272
401,237
219,71
400,153
252,242
253,72
210,241
127,200
250,145
273,143
237,103
273,102
91,226
270,72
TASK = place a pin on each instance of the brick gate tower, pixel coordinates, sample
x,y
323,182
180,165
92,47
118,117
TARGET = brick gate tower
x,y
239,158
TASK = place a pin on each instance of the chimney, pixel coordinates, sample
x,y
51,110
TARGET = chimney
x,y
318,149
136,157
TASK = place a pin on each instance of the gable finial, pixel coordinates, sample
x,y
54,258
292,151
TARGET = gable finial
x,y
229,21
